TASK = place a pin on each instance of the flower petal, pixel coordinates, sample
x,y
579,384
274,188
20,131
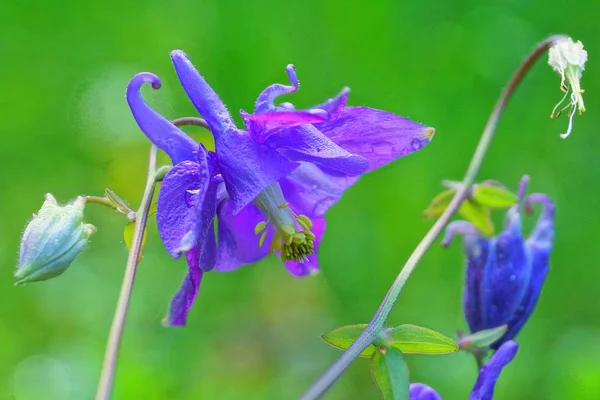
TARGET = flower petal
x,y
490,372
506,279
306,143
311,266
204,98
265,100
377,135
159,130
312,191
477,248
419,391
540,246
248,167
185,296
238,244
261,126
183,187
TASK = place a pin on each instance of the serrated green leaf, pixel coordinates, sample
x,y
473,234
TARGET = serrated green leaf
x,y
128,237
482,339
478,215
344,336
494,196
439,204
418,340
390,373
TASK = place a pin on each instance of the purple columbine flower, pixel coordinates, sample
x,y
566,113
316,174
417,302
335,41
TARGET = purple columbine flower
x,y
505,274
486,381
269,185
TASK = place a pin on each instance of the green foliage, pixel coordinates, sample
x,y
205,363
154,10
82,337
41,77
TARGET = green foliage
x,y
476,208
344,336
482,339
494,195
390,373
418,340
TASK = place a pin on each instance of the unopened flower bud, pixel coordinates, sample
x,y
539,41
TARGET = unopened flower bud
x,y
52,240
568,59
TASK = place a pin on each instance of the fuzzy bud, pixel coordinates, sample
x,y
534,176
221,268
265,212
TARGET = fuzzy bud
x,y
52,240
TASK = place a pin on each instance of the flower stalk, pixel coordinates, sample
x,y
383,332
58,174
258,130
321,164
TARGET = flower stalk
x,y
112,348
377,322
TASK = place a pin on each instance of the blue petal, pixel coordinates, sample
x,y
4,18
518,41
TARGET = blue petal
x,y
186,295
265,100
540,246
377,135
311,191
159,130
419,391
490,372
204,98
183,188
248,167
477,248
238,244
506,278
306,143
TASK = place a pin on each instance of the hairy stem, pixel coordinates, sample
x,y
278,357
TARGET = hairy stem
x,y
114,339
377,322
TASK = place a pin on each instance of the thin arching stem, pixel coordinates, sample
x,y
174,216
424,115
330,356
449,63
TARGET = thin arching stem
x,y
377,322
190,121
114,339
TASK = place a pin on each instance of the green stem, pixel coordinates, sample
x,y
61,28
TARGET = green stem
x,y
100,200
377,322
114,339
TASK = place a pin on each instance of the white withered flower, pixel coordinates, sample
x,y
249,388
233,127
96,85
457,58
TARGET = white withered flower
x,y
568,59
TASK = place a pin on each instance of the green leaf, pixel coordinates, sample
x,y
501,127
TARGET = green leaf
x,y
116,201
478,215
128,237
152,209
344,336
439,204
494,195
418,340
482,339
390,374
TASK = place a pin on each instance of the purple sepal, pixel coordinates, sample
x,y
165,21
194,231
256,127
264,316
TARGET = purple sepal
x,y
490,372
185,296
420,391
379,136
159,130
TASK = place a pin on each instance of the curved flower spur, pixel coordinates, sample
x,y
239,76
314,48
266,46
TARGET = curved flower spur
x,y
505,274
268,185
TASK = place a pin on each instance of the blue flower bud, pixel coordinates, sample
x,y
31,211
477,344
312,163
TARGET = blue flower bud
x,y
52,240
505,274
486,380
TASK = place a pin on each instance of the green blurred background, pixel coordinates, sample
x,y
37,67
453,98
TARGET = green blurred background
x,y
254,333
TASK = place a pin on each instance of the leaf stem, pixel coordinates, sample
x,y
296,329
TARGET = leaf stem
x,y
100,200
114,339
377,322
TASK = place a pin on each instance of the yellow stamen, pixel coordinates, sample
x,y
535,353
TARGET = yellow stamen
x,y
260,227
261,241
292,237
304,221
